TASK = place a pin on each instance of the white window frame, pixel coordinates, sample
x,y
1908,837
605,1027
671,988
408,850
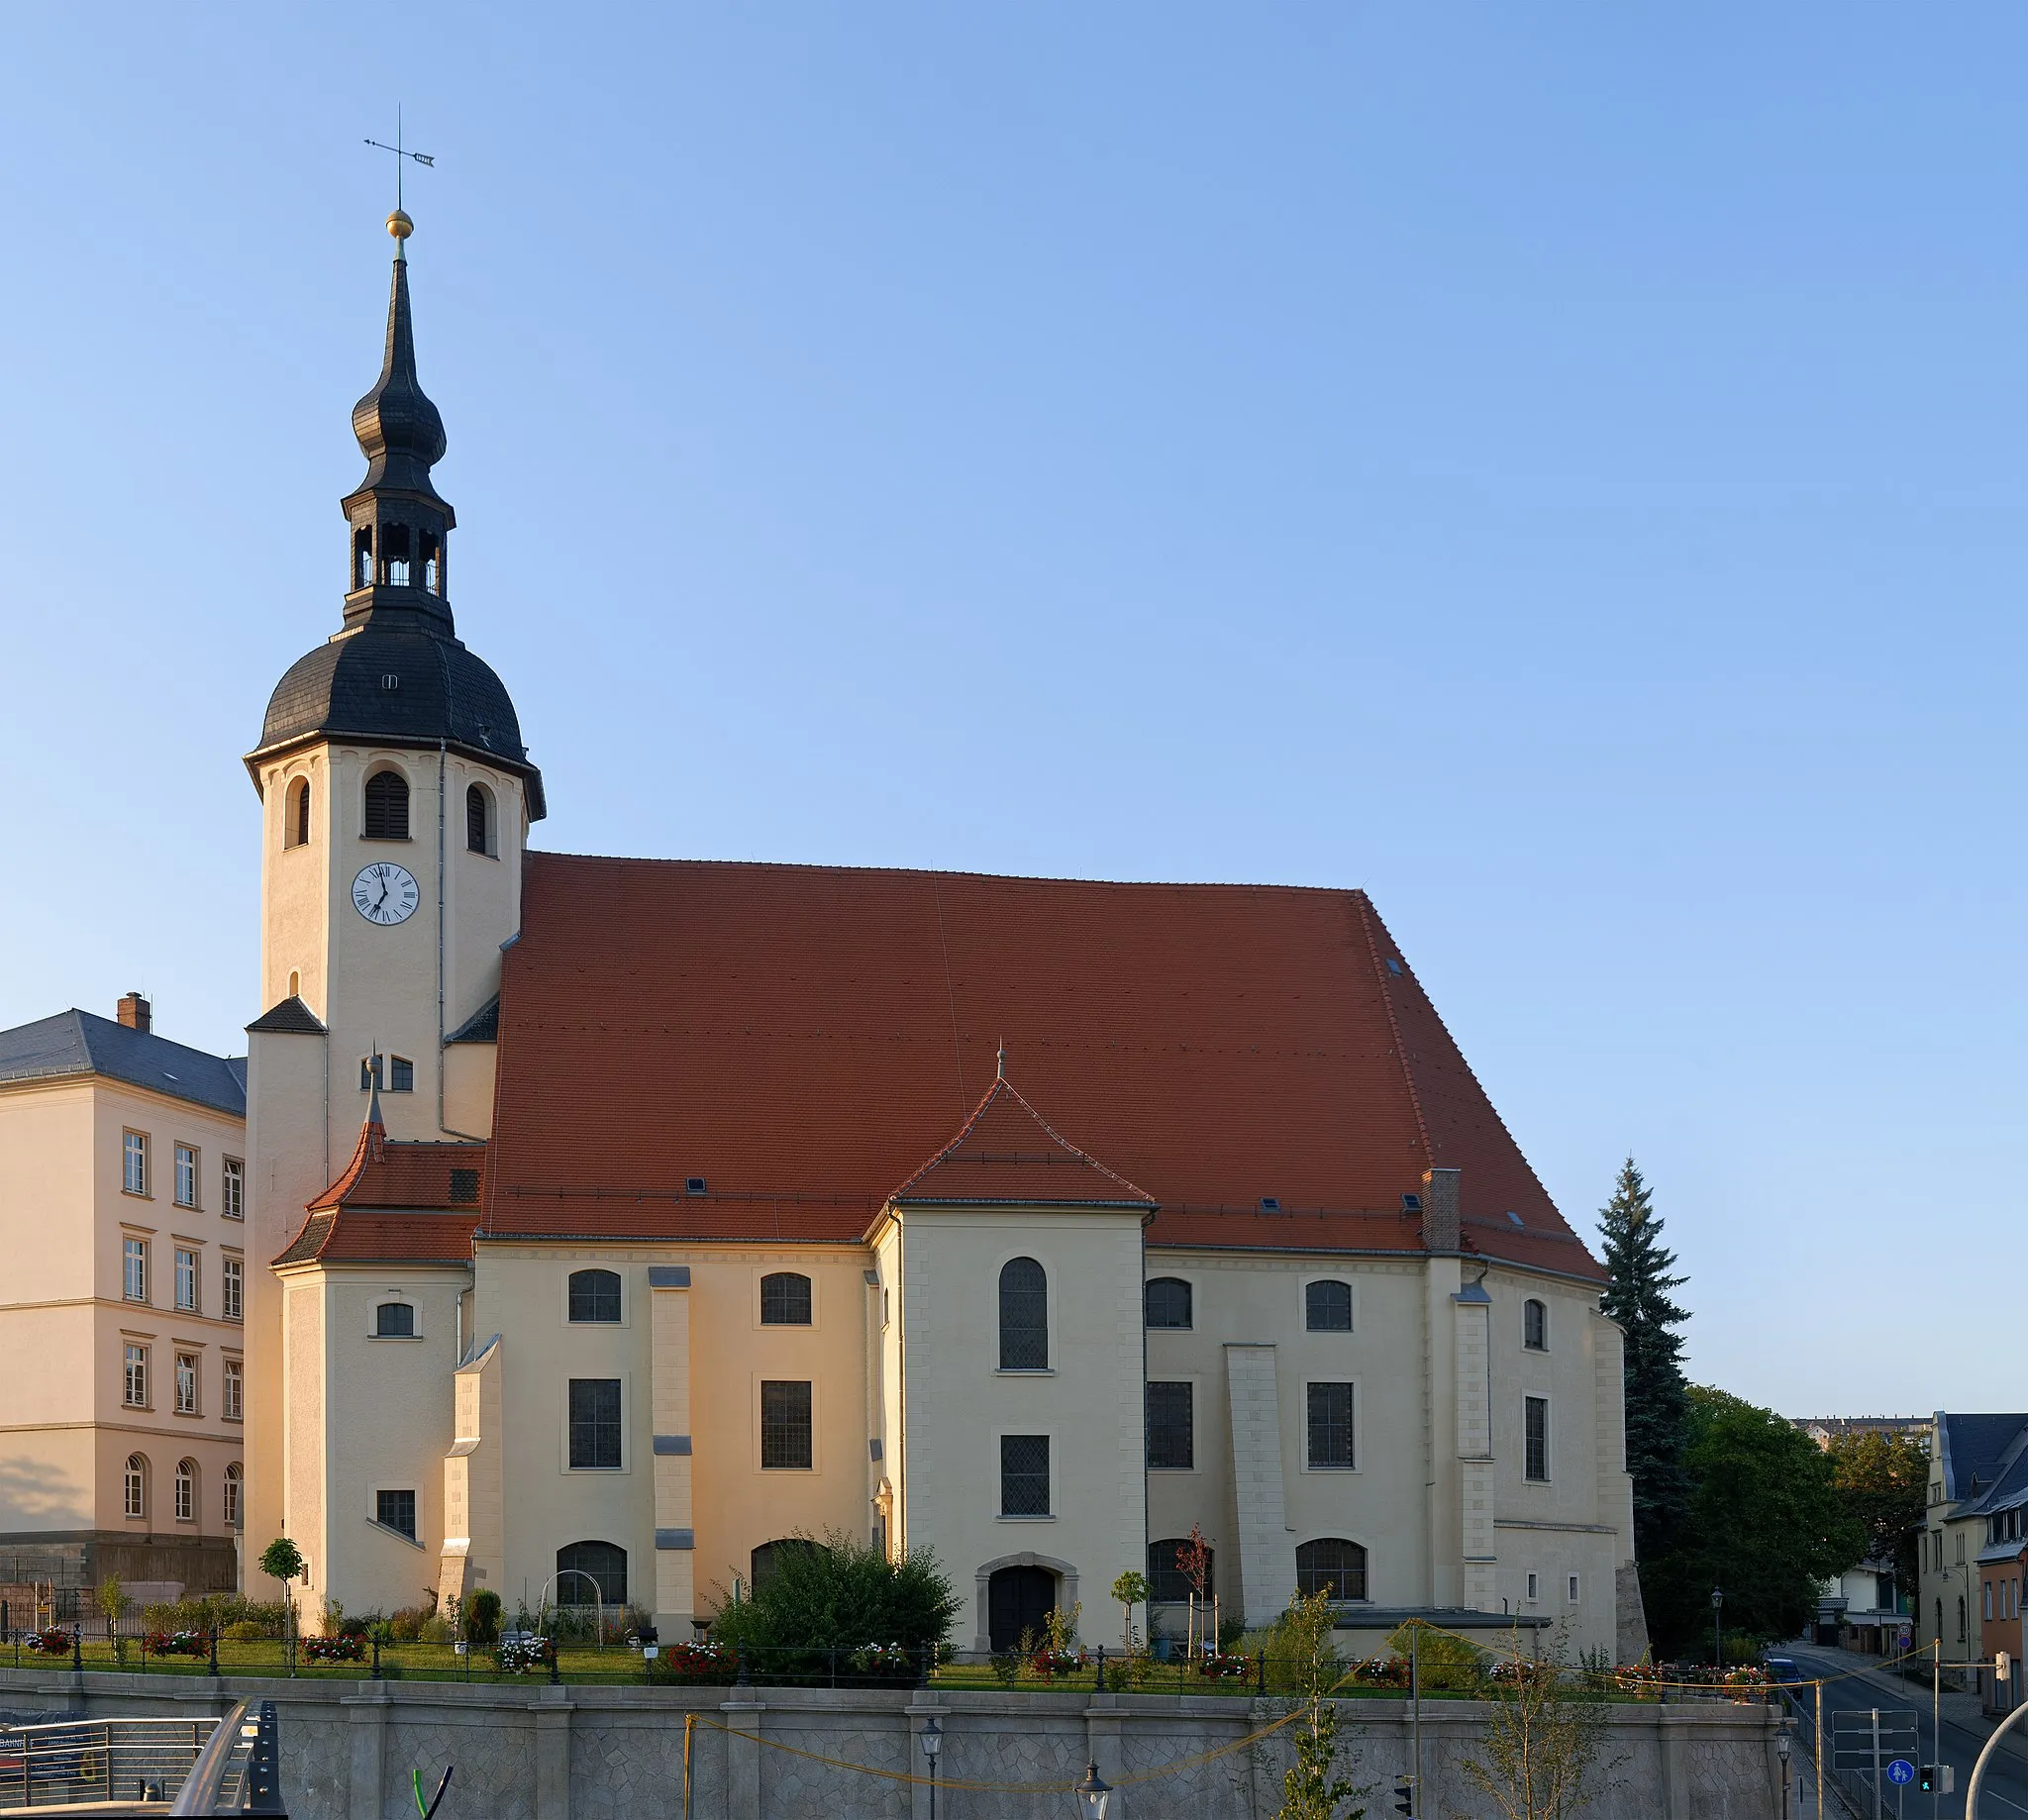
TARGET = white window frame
x,y
232,1287
189,1165
134,1489
135,1361
232,1495
183,1489
232,1188
233,1390
193,1279
133,1165
1573,1584
194,1380
134,1271
1542,1302
1534,1587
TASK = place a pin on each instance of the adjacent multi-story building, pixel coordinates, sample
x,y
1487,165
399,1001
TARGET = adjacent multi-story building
x,y
123,1201
1973,1460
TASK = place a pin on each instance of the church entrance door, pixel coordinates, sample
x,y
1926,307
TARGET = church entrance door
x,y
1019,1600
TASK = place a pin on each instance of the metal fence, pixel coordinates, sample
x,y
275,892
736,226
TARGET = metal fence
x,y
98,1760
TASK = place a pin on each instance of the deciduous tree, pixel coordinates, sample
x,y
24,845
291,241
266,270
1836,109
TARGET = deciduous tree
x,y
1884,1483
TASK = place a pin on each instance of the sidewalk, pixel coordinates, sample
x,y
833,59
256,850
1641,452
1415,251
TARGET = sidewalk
x,y
1959,1712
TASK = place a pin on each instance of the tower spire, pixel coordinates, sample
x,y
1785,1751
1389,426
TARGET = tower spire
x,y
399,520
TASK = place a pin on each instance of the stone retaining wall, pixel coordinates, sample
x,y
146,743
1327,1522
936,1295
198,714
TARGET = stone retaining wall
x,y
577,1752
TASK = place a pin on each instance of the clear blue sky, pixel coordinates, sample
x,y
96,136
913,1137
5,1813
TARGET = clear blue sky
x,y
1561,468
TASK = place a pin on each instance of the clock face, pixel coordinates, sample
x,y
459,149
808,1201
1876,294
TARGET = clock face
x,y
385,893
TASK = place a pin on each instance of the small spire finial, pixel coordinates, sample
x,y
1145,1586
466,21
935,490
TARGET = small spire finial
x,y
398,224
1001,1072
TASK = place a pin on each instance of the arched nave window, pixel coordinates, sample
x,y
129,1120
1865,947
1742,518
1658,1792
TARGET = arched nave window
x,y
594,1295
1534,1325
1024,1316
784,1300
1327,1307
1333,1566
584,1562
1167,1302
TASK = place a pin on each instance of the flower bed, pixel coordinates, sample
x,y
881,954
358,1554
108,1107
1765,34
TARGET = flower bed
x,y
52,1642
525,1655
882,1658
175,1643
696,1662
1217,1665
334,1649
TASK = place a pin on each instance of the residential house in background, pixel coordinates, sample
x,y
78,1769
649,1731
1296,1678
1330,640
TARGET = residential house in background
x,y
1970,1456
123,1199
1863,1609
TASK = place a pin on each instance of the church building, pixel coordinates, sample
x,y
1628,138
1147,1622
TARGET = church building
x,y
622,1220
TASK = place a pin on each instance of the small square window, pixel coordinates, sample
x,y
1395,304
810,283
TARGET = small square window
x,y
394,1321
396,1510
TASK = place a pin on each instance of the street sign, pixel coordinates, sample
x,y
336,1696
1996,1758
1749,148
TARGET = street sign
x,y
1900,1771
1854,1741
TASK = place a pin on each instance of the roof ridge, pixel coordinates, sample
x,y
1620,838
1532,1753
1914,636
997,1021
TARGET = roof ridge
x,y
1002,1083
1422,1127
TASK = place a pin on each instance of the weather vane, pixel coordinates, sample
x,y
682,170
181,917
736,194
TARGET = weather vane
x,y
401,153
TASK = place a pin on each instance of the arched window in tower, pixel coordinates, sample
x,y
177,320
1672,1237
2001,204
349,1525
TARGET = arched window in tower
x,y
296,816
394,546
479,819
433,563
362,556
1024,1316
386,806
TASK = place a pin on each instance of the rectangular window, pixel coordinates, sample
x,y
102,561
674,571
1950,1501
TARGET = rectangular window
x,y
233,1302
401,1075
1570,1591
186,1279
135,1168
233,1202
1024,1475
186,1497
397,1511
785,1437
1171,1437
1988,1601
235,1393
135,1494
595,1423
136,1378
186,1175
1534,1423
1329,1423
135,1282
1532,1587
186,1384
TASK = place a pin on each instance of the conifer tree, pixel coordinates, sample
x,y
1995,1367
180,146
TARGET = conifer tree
x,y
1657,1406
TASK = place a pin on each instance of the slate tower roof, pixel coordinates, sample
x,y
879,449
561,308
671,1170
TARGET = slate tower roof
x,y
395,673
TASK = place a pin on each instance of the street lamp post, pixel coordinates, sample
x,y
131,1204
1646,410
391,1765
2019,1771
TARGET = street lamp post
x,y
1718,1629
1094,1792
933,1741
1781,1750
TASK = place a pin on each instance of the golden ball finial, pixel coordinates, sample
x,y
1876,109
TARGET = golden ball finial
x,y
399,224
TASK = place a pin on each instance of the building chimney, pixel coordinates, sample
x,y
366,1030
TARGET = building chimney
x,y
1441,1229
135,1013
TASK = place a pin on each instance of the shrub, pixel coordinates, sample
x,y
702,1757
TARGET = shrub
x,y
482,1618
1444,1662
247,1630
406,1624
841,1595
434,1630
177,1643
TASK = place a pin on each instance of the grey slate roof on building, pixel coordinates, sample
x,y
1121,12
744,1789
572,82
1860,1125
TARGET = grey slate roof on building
x,y
483,1026
1974,1450
288,1017
77,1042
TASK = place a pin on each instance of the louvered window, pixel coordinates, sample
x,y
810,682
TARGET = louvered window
x,y
386,806
475,818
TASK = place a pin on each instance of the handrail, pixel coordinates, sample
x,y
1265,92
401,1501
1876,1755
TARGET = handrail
x,y
199,1794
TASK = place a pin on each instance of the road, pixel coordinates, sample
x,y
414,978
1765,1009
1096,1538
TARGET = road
x,y
2006,1793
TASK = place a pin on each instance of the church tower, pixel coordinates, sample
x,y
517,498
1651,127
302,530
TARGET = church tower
x,y
396,797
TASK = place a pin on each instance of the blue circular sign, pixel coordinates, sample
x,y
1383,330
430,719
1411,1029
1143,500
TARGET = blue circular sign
x,y
1900,1771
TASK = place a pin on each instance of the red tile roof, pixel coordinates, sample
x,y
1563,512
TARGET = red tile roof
x,y
437,1211
802,1037
1006,1154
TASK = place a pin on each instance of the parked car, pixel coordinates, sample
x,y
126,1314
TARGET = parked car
x,y
1781,1668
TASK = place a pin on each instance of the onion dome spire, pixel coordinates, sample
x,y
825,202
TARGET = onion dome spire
x,y
400,431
